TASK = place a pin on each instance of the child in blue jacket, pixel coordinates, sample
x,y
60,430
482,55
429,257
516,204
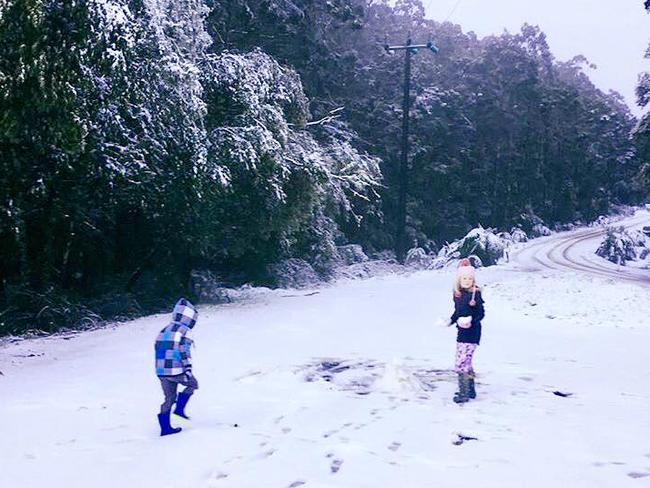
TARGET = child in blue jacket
x,y
174,363
468,313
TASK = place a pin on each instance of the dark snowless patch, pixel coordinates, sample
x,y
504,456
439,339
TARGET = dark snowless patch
x,y
462,438
360,376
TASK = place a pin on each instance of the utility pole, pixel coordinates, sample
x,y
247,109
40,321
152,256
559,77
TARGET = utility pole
x,y
409,49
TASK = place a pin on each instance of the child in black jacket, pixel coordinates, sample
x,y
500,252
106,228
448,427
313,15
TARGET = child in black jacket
x,y
468,313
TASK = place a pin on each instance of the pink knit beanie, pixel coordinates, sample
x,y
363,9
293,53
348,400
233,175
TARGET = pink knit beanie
x,y
465,268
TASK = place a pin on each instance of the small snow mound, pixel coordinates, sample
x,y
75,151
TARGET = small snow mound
x,y
638,238
483,245
395,378
418,258
603,220
210,290
532,225
518,235
207,287
294,273
352,254
368,269
540,230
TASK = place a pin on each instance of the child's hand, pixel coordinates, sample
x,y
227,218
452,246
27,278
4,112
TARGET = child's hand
x,y
443,322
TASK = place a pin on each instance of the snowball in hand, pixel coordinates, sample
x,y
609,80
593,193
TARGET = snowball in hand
x,y
465,322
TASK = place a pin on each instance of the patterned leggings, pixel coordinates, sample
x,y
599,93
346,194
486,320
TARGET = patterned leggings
x,y
464,354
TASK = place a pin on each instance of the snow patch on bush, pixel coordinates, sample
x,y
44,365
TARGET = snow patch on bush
x,y
518,235
210,290
484,245
294,273
540,230
351,254
418,258
620,245
369,269
532,225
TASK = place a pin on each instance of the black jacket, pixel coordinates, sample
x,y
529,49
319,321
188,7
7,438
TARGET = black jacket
x,y
462,308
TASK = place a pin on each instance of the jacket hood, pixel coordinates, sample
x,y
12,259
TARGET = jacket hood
x,y
185,313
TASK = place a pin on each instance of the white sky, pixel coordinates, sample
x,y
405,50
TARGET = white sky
x,y
611,34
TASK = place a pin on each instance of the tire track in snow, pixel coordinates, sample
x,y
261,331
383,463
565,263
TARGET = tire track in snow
x,y
556,254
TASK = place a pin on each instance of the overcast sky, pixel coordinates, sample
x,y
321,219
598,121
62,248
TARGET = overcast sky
x,y
613,34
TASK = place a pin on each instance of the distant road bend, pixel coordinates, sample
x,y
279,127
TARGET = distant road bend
x,y
575,251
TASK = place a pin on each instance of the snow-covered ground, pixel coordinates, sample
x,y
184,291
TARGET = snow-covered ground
x,y
351,386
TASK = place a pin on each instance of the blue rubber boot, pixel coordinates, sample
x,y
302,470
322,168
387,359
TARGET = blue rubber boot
x,y
165,426
181,401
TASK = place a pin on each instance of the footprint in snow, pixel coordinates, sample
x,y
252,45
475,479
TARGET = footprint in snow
x,y
236,458
215,477
336,465
128,441
635,475
71,441
395,446
248,376
266,454
518,393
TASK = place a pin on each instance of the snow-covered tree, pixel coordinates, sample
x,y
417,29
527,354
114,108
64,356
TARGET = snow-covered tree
x,y
281,187
617,246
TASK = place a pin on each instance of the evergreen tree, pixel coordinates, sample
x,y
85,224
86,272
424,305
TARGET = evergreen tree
x,y
642,130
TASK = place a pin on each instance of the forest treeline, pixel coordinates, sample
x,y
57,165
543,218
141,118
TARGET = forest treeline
x,y
142,140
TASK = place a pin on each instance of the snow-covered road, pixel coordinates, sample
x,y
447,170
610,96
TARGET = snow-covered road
x,y
575,250
351,386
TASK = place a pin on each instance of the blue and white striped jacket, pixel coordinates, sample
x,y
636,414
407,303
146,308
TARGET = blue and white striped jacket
x,y
173,344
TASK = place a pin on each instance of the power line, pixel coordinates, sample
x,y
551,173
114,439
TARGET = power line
x,y
454,10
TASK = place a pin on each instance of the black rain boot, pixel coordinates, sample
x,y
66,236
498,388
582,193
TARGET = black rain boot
x,y
463,386
181,402
471,390
165,426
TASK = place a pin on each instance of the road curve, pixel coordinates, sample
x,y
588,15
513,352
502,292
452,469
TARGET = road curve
x,y
575,251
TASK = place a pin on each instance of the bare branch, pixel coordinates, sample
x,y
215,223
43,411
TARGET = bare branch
x,y
333,114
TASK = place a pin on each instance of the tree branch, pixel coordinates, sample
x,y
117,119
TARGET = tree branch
x,y
333,114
